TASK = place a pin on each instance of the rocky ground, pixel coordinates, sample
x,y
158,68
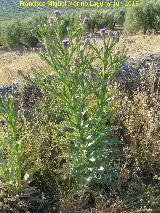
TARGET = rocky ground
x,y
128,76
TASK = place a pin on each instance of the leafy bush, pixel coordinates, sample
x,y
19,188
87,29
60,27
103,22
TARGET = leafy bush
x,y
29,27
10,34
18,31
108,20
100,20
143,17
131,23
14,32
27,36
120,17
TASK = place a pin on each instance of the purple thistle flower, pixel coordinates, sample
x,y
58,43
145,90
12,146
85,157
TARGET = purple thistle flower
x,y
65,42
85,20
102,30
57,13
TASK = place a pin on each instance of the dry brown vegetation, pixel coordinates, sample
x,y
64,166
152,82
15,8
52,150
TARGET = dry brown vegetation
x,y
13,66
140,44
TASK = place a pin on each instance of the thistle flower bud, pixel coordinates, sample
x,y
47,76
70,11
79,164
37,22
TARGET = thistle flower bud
x,y
65,43
57,13
102,30
85,20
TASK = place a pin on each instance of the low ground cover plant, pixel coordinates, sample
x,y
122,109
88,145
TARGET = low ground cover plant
x,y
138,120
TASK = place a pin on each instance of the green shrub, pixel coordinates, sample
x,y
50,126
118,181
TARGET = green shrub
x,y
100,20
10,34
27,37
108,20
83,104
29,26
131,23
105,19
143,17
92,23
120,17
14,32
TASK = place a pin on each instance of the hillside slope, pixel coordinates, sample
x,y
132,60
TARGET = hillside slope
x,y
12,8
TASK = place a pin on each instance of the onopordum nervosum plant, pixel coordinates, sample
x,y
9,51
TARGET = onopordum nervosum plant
x,y
82,70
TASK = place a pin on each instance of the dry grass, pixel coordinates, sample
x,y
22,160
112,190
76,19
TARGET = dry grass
x,y
140,44
13,65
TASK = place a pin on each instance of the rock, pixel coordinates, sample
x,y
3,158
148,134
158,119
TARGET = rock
x,y
129,75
